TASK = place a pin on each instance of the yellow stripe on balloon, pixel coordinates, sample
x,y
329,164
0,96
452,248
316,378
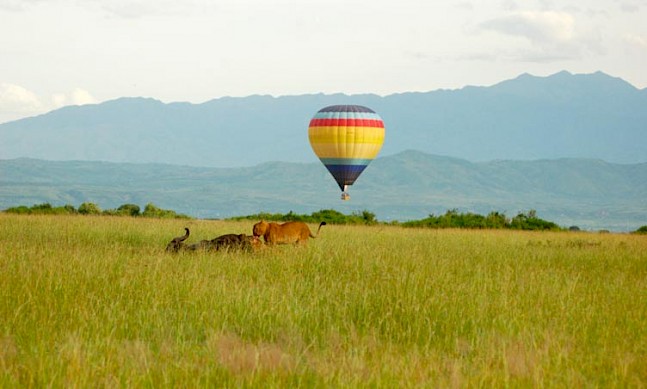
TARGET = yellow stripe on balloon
x,y
346,135
347,150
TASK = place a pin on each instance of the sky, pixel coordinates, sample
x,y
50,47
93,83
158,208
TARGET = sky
x,y
55,53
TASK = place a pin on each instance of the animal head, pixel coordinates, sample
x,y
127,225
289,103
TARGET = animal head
x,y
176,243
254,241
260,228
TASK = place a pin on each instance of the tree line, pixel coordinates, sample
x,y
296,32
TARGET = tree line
x,y
494,220
87,208
451,219
329,216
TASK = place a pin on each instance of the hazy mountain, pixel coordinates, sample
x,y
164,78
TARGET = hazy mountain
x,y
411,185
560,116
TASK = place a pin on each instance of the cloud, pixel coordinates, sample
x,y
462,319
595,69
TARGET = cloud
x,y
636,41
510,5
16,99
540,27
127,9
629,7
17,5
131,10
17,102
464,6
550,36
78,96
135,9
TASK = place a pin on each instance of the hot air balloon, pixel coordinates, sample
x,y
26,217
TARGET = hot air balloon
x,y
346,138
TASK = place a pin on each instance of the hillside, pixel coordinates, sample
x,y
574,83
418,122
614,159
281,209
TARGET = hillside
x,y
411,185
561,116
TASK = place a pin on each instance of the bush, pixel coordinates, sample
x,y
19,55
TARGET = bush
x,y
530,221
329,216
151,210
42,209
494,220
453,219
123,210
21,209
366,217
641,230
89,209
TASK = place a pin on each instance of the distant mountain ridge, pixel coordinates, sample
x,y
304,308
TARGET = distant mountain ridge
x,y
560,116
592,194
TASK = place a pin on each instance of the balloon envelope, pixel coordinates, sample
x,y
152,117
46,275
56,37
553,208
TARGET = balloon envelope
x,y
346,138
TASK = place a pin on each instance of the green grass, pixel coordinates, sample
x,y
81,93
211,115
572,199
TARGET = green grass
x,y
96,301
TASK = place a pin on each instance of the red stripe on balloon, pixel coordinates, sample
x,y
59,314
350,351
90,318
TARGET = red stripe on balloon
x,y
329,122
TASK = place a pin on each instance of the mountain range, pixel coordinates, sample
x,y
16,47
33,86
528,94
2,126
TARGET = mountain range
x,y
590,193
564,115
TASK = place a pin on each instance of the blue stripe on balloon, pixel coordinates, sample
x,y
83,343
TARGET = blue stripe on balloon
x,y
345,174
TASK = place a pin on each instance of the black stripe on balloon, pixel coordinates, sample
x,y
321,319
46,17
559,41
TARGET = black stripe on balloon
x,y
346,108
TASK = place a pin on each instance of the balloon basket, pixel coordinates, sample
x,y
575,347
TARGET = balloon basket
x,y
345,196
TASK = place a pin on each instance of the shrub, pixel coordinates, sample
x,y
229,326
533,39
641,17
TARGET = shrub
x,y
128,210
151,210
329,216
42,209
530,221
641,230
366,217
89,209
21,209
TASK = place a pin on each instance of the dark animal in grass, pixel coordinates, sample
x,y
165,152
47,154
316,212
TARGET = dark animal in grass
x,y
236,242
176,243
223,242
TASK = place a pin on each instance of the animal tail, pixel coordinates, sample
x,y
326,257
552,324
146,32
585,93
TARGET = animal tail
x,y
176,243
318,229
185,237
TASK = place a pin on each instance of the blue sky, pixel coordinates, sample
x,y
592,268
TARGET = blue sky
x,y
60,52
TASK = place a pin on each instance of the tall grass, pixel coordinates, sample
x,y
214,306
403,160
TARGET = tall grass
x,y
96,301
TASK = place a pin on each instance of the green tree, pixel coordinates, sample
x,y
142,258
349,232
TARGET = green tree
x,y
152,210
21,209
42,208
530,221
641,230
128,210
89,209
329,216
496,220
368,218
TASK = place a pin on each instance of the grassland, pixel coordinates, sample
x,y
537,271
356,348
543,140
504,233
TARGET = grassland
x,y
97,302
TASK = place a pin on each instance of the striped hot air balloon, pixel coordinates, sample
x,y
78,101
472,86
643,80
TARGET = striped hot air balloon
x,y
346,138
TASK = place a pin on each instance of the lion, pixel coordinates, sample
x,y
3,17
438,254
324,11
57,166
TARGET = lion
x,y
289,232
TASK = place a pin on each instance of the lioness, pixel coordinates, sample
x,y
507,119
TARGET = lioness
x,y
289,232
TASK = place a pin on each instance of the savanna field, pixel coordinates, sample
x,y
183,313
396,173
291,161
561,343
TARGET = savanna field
x,y
96,301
